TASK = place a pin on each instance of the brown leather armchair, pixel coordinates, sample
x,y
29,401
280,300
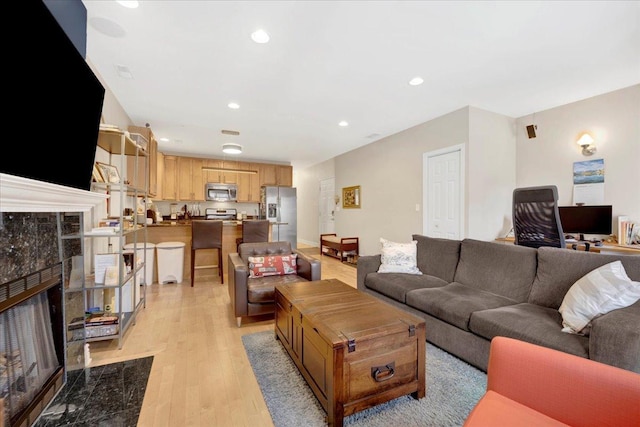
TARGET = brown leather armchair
x,y
255,296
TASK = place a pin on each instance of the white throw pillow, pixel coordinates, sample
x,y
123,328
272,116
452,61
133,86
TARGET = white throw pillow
x,y
399,257
598,292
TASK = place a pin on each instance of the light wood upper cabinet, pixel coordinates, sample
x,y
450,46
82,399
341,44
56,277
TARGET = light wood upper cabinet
x,y
170,178
184,179
285,176
160,175
196,179
212,176
190,179
249,184
276,175
152,154
221,176
229,177
268,174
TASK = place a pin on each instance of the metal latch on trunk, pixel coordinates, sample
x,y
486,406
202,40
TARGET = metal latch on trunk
x,y
351,345
412,330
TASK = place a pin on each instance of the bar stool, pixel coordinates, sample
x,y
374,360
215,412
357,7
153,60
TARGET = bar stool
x,y
206,234
253,231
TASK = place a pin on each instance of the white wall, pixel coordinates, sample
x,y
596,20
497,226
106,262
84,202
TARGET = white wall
x,y
389,172
491,174
613,120
307,182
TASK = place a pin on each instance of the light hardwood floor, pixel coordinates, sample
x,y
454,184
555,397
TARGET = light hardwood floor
x,y
201,374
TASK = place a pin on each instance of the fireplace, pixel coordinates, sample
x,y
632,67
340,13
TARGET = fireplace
x,y
31,344
38,222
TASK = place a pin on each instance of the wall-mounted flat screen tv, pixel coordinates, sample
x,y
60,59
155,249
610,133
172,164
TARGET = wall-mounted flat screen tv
x,y
54,102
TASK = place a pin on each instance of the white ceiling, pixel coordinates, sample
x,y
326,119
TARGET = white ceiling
x,y
329,61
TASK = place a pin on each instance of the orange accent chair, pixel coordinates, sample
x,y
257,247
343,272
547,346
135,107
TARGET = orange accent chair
x,y
529,385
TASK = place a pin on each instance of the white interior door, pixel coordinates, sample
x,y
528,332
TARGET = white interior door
x,y
327,206
443,196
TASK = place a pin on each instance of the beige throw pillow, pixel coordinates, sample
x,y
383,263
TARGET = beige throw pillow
x,y
598,292
399,257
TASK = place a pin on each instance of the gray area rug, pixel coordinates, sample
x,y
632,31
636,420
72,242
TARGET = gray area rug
x,y
453,388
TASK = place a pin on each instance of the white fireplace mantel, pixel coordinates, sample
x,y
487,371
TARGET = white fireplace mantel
x,y
19,194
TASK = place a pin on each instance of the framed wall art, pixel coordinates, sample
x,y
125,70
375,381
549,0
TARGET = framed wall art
x,y
109,173
351,197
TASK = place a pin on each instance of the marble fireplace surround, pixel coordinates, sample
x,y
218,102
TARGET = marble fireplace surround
x,y
22,196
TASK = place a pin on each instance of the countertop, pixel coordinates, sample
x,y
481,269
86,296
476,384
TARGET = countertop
x,y
187,223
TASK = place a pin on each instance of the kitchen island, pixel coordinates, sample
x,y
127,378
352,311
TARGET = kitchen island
x,y
180,231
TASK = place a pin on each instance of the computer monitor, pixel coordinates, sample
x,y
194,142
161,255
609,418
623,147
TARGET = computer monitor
x,y
586,219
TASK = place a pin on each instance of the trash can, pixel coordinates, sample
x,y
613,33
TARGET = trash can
x,y
170,262
150,265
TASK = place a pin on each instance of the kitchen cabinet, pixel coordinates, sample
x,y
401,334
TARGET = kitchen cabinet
x,y
248,183
268,174
170,178
276,175
229,177
285,176
189,179
152,154
221,175
160,176
212,176
183,179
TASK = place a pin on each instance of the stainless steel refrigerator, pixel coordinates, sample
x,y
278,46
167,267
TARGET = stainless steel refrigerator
x,y
279,206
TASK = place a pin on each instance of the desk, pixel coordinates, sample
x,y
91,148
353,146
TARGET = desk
x,y
606,248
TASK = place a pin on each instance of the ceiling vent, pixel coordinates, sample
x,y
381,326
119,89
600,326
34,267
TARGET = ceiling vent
x,y
230,132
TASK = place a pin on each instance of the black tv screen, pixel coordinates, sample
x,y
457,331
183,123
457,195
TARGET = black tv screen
x,y
586,219
54,102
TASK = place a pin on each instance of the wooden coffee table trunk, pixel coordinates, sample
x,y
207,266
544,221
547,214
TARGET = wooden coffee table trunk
x,y
353,350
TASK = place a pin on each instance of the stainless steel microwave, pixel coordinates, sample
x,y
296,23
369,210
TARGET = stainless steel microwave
x,y
217,192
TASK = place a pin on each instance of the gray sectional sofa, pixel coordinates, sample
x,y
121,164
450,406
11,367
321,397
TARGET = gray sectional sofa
x,y
471,291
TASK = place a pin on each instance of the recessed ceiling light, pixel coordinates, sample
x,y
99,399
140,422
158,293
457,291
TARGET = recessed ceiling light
x,y
416,81
107,27
124,71
233,105
343,123
260,36
164,139
131,4
232,148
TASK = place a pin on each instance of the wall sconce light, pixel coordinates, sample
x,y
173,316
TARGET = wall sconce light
x,y
586,142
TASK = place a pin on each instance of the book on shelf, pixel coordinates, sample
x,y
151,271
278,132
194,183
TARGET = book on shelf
x,y
105,230
102,262
93,319
626,230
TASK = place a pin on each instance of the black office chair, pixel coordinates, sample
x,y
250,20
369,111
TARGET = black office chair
x,y
206,234
536,221
253,231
